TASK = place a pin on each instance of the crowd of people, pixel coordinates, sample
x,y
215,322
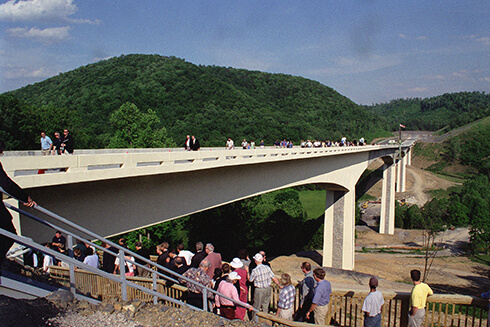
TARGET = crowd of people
x,y
60,145
239,277
230,145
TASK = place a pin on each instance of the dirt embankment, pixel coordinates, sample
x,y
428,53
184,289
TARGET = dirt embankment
x,y
450,272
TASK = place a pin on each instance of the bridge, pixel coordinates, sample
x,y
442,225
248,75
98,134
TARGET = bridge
x,y
115,191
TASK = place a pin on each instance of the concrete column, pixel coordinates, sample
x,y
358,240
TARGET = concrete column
x,y
387,217
403,173
338,239
409,157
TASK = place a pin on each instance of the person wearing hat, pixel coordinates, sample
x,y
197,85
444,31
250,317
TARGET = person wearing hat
x,y
13,189
237,266
262,278
227,307
373,305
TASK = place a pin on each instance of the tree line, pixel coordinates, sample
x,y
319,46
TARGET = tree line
x,y
211,102
447,111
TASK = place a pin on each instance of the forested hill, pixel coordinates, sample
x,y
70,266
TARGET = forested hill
x,y
448,111
210,102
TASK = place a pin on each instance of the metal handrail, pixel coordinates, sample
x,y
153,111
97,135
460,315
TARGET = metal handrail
x,y
122,250
74,262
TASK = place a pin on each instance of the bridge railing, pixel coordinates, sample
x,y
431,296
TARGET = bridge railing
x,y
103,165
442,310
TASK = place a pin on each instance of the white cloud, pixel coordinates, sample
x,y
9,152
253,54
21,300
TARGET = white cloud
x,y
419,89
418,38
461,75
21,72
484,40
40,11
48,35
37,10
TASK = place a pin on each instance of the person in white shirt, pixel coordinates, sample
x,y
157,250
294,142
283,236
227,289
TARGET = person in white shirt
x,y
129,266
92,259
48,260
185,254
373,305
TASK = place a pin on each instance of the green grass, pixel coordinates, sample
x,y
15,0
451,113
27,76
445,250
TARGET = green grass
x,y
440,193
313,203
481,258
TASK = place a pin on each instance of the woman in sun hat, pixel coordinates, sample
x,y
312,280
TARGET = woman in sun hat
x,y
226,307
237,266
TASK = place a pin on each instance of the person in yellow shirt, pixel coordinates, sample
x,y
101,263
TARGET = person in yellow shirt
x,y
418,299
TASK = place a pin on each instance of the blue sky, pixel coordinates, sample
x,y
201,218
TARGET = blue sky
x,y
370,51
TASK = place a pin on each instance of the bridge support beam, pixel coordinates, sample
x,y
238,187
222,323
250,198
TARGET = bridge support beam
x,y
401,174
387,216
338,237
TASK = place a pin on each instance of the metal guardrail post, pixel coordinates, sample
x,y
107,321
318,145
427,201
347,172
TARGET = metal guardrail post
x,y
122,271
72,267
154,277
205,299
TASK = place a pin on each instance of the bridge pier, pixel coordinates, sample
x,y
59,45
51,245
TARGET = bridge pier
x,y
401,174
338,236
387,216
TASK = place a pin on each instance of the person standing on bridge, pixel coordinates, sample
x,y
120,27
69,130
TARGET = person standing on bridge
x,y
229,144
56,147
67,143
46,144
14,190
187,143
195,145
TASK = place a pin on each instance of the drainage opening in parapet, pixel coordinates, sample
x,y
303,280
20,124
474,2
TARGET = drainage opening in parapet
x,y
100,167
149,164
29,172
210,159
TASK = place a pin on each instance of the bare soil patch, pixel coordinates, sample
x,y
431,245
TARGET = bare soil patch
x,y
451,273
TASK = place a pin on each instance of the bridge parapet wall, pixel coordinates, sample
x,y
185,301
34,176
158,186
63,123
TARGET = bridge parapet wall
x,y
93,165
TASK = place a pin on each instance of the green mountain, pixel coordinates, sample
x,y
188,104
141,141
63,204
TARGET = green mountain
x,y
211,102
447,111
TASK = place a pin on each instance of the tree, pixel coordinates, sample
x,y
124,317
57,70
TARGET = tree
x,y
432,220
476,198
136,129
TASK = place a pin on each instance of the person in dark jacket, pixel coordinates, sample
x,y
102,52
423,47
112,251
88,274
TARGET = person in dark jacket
x,y
195,145
14,190
67,142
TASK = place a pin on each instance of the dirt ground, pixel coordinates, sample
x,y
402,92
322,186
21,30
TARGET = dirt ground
x,y
451,272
